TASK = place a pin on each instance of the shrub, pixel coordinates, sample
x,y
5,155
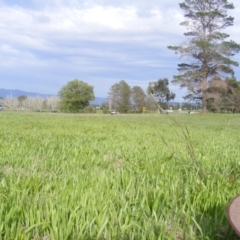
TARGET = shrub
x,y
90,109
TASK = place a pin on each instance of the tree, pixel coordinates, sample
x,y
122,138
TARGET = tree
x,y
21,100
52,103
75,96
233,93
11,102
30,103
105,107
208,53
223,95
38,103
160,91
150,104
120,97
138,98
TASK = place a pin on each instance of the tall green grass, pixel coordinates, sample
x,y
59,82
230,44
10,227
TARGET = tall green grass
x,y
117,177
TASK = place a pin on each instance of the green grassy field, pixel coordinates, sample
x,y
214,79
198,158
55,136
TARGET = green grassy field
x,y
65,176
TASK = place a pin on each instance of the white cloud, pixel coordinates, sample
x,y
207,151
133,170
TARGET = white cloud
x,y
114,18
84,23
7,49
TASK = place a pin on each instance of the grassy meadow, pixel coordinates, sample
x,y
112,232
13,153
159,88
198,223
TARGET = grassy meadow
x,y
85,177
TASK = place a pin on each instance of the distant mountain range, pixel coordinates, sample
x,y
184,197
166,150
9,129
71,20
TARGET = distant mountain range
x,y
17,93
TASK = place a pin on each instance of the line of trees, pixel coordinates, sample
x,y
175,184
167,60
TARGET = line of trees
x,y
31,103
125,99
75,96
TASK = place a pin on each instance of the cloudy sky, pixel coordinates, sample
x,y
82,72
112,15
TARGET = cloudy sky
x,y
44,44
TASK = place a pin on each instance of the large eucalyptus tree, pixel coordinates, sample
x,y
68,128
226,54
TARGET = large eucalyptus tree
x,y
208,53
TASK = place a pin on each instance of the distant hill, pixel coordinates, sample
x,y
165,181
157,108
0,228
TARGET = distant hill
x,y
17,93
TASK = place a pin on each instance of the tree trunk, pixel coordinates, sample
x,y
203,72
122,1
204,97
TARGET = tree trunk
x,y
204,102
204,95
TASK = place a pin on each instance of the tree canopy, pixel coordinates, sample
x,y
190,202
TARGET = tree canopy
x,y
75,96
161,92
120,97
21,99
224,95
207,51
138,98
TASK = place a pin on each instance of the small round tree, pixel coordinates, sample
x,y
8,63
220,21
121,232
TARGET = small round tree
x,y
75,96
